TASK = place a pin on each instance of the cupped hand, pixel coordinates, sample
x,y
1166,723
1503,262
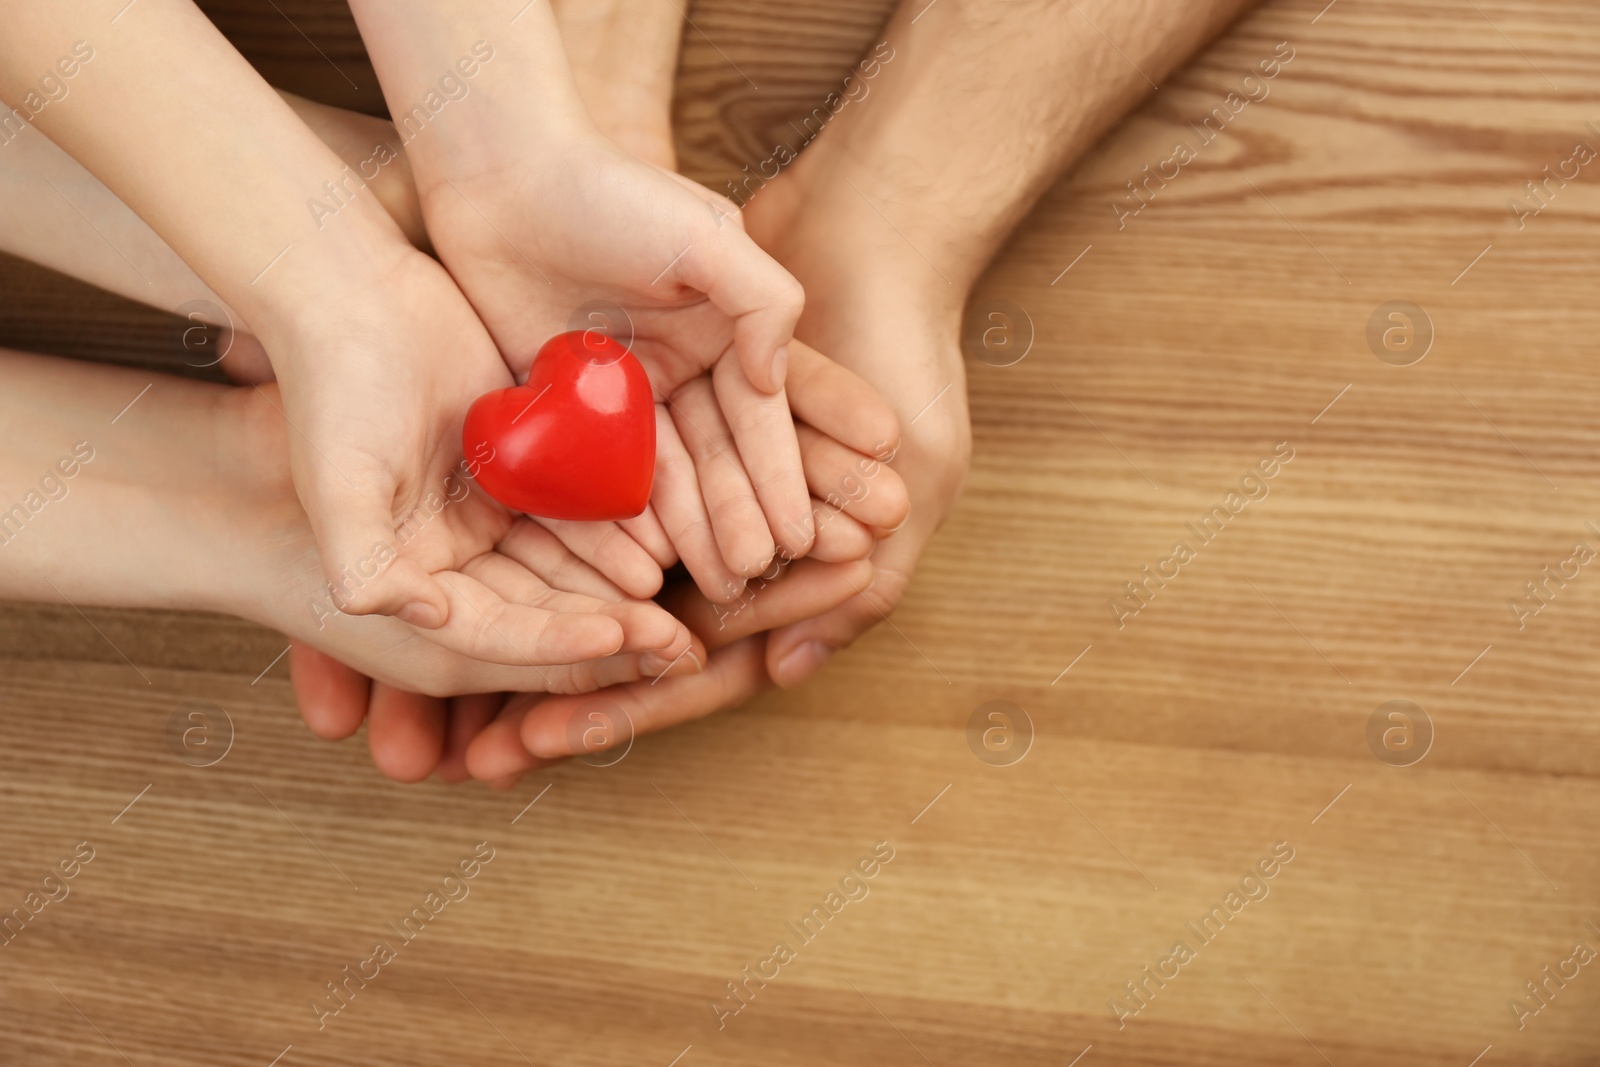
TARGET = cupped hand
x,y
540,236
843,427
374,379
524,610
903,338
891,320
910,351
495,738
888,315
705,512
858,500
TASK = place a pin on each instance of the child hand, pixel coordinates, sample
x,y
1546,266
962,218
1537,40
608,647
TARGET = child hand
x,y
537,214
515,596
847,430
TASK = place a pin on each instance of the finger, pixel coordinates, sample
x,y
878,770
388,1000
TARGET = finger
x,y
764,432
651,640
418,664
646,627
612,551
737,520
797,650
465,720
863,487
591,724
723,209
733,676
840,538
405,732
659,638
506,784
331,696
749,286
677,501
355,534
590,675
498,752
646,529
485,626
541,551
513,581
840,403
807,588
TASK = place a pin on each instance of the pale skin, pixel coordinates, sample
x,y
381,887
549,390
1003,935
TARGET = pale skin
x,y
887,149
184,502
59,215
955,156
624,58
534,211
399,726
376,351
52,197
146,108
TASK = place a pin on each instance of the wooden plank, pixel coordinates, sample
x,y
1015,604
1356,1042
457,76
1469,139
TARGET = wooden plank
x,y
1227,715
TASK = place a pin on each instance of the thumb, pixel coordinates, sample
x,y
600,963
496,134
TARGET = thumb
x,y
362,563
794,652
750,287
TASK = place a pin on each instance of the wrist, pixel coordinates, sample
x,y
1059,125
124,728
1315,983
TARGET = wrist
x,y
915,244
339,288
261,556
147,498
624,56
466,94
374,160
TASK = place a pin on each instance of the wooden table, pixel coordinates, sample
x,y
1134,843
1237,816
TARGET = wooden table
x,y
1168,755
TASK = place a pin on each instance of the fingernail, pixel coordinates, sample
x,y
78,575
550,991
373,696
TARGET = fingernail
x,y
420,613
780,367
801,662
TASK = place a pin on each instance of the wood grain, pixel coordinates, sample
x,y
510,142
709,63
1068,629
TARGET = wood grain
x,y
1229,714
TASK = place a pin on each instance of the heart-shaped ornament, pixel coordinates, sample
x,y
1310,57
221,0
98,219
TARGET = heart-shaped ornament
x,y
577,441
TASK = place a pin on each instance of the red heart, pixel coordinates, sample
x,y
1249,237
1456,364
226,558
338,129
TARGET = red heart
x,y
578,441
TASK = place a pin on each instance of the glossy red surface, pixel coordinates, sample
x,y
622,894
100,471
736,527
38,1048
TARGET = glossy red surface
x,y
577,441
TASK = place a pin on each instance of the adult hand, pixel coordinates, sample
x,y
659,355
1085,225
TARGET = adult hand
x,y
895,323
888,315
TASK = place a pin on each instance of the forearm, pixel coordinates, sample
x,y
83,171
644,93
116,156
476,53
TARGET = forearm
x,y
184,131
624,56
55,213
981,103
458,73
178,497
371,148
117,496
